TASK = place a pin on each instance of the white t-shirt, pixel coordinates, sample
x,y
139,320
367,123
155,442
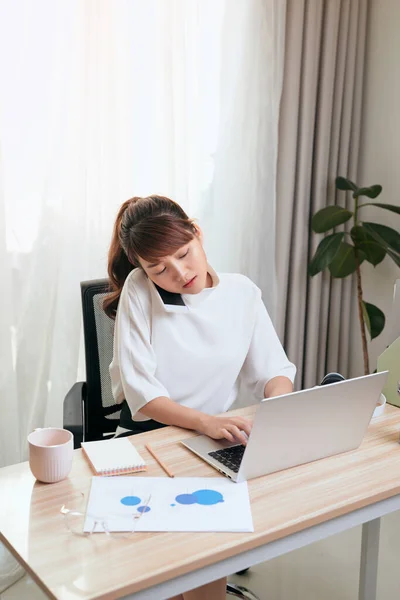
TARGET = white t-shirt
x,y
193,348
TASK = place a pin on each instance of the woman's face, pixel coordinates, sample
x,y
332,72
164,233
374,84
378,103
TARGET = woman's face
x,y
184,272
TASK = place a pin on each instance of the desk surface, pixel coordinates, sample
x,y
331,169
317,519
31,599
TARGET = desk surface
x,y
69,567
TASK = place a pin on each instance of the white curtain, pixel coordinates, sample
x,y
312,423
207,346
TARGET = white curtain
x,y
102,100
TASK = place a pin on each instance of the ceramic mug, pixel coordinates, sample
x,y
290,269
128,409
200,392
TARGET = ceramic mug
x,y
50,453
380,406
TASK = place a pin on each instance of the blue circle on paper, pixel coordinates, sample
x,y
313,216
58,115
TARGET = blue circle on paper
x,y
186,499
143,509
203,497
130,500
208,497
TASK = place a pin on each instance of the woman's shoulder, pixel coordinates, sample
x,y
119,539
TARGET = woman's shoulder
x,y
136,277
238,283
136,289
135,282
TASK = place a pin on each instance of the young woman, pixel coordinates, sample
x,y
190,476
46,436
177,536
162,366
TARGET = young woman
x,y
185,337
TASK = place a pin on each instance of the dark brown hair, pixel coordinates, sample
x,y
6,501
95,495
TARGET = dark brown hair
x,y
151,228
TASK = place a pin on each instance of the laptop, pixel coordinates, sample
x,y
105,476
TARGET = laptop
x,y
297,428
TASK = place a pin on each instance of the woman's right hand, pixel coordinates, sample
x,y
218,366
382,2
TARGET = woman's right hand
x,y
230,428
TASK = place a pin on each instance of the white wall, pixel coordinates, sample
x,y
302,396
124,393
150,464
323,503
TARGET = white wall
x,y
379,160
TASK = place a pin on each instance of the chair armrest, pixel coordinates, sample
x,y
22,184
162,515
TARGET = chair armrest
x,y
73,411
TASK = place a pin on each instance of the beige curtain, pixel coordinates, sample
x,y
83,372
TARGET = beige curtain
x,y
318,139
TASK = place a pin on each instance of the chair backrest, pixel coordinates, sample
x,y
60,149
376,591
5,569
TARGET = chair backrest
x,y
100,413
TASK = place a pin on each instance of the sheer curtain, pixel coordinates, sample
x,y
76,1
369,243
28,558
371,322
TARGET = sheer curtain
x,y
103,100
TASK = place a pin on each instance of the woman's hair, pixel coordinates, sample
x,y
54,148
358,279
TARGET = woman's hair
x,y
151,228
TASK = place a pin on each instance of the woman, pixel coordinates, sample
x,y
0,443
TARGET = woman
x,y
185,337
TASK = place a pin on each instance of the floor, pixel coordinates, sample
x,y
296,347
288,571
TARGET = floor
x,y
326,570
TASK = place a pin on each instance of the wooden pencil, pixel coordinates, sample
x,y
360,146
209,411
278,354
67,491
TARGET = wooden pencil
x,y
160,462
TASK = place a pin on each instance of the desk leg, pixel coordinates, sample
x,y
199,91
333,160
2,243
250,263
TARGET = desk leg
x,y
369,560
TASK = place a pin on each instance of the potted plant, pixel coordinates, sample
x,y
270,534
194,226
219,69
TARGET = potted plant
x,y
343,252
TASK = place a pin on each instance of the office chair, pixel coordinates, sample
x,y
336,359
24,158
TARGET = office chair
x,y
90,412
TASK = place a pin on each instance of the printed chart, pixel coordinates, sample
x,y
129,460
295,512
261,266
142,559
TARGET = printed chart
x,y
178,504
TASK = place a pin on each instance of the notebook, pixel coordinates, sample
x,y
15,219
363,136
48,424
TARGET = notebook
x,y
113,457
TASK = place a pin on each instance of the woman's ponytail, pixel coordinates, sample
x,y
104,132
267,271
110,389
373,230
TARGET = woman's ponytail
x,y
119,266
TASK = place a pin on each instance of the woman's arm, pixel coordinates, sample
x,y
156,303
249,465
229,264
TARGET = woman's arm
x,y
165,410
266,370
277,386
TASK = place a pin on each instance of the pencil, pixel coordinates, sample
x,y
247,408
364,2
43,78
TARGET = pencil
x,y
160,462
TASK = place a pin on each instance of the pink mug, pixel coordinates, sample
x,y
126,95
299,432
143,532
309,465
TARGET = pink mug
x,y
50,453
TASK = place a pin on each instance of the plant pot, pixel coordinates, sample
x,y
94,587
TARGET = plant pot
x,y
380,406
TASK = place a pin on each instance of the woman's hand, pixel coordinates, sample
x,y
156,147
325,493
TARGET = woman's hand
x,y
230,428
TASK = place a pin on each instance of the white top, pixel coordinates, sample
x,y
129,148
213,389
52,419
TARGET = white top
x,y
193,348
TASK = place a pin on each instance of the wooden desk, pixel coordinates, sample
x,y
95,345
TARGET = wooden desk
x,y
290,509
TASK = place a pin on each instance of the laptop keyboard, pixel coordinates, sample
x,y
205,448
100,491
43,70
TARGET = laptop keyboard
x,y
229,457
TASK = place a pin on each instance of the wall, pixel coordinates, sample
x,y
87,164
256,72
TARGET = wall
x,y
379,160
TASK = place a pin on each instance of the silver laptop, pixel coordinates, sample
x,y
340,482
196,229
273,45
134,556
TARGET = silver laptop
x,y
297,428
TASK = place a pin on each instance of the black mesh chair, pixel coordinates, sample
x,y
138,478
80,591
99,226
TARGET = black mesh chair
x,y
90,412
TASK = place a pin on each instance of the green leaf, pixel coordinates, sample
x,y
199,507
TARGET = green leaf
x,y
329,217
344,262
392,207
374,319
345,184
371,192
385,236
374,252
395,257
325,252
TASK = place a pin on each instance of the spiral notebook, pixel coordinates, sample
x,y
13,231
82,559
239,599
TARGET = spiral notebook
x,y
113,457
